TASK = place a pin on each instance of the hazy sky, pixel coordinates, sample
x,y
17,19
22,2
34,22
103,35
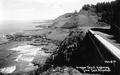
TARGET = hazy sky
x,y
39,9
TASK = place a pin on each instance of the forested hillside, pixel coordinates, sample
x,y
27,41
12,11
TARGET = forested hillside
x,y
108,11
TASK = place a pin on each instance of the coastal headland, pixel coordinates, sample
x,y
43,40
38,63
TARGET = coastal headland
x,y
58,47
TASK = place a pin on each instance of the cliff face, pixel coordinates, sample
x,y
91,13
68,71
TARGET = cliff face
x,y
76,50
67,48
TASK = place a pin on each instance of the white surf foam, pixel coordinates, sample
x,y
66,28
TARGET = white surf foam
x,y
19,56
8,69
27,52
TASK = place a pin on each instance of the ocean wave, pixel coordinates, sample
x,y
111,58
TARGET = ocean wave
x,y
6,70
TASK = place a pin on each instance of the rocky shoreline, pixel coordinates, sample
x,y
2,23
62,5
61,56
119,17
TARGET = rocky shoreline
x,y
62,42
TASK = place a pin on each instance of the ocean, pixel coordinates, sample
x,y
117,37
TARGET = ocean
x,y
15,26
7,56
12,26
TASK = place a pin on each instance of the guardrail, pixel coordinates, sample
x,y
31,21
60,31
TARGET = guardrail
x,y
111,48
107,51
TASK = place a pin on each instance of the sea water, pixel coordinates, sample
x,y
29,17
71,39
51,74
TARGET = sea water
x,y
8,51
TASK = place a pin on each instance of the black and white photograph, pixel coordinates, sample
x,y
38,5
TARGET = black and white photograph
x,y
59,37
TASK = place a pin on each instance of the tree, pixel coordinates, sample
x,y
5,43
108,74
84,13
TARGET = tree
x,y
86,7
